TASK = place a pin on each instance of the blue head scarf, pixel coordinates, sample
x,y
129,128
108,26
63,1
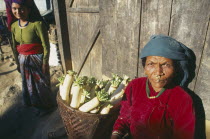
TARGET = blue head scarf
x,y
165,46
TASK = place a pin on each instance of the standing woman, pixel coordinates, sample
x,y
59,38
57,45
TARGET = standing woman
x,y
31,52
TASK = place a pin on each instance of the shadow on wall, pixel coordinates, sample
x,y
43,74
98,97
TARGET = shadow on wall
x,y
200,126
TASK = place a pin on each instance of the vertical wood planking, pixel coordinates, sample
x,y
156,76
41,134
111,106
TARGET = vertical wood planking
x,y
93,19
82,25
108,33
155,19
96,53
120,26
189,24
73,35
202,87
96,59
84,36
127,33
62,32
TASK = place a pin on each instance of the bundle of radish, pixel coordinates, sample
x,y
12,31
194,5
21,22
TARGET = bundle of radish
x,y
60,80
116,97
88,85
91,95
101,97
76,91
65,85
115,82
99,85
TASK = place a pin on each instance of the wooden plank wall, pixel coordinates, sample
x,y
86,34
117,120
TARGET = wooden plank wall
x,y
189,25
83,17
63,40
126,26
120,36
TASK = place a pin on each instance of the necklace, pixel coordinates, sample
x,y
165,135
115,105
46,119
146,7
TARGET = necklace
x,y
24,25
148,91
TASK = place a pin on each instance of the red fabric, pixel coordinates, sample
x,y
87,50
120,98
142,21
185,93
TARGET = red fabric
x,y
30,49
170,116
10,16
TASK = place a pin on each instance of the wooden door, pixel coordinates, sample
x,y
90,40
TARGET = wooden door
x,y
84,36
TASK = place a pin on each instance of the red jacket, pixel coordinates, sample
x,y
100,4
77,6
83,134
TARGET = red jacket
x,y
170,116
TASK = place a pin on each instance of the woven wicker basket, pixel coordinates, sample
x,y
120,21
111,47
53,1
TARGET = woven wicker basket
x,y
80,125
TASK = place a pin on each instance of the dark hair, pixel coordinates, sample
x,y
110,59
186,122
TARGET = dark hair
x,y
34,14
143,61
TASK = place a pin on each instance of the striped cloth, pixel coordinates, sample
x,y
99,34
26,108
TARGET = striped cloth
x,y
35,85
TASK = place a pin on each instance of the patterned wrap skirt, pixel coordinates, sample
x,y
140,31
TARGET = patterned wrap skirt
x,y
35,85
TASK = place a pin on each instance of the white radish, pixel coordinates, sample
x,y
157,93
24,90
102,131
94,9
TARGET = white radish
x,y
65,88
111,89
101,96
76,92
106,88
105,109
76,96
82,100
95,110
115,82
123,84
85,96
60,84
117,98
118,90
93,103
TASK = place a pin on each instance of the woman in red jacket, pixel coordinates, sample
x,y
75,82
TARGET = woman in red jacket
x,y
157,106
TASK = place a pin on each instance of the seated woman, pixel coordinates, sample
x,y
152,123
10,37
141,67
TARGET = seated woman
x,y
157,106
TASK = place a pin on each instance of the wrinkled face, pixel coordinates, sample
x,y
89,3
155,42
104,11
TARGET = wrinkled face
x,y
20,12
160,71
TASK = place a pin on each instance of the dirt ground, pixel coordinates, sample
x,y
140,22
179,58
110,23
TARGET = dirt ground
x,y
16,121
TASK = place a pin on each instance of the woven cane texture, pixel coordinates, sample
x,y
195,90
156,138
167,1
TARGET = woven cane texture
x,y
80,125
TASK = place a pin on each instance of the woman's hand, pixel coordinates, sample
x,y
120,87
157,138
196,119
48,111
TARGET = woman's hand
x,y
45,68
115,137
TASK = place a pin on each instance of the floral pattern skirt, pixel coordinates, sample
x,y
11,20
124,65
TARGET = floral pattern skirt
x,y
35,85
